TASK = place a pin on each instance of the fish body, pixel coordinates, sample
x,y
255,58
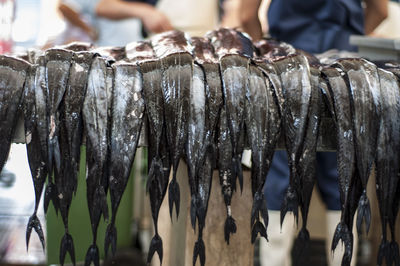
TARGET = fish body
x,y
339,94
70,140
308,162
296,97
95,117
37,163
234,51
126,124
58,63
365,96
387,158
174,50
263,125
12,78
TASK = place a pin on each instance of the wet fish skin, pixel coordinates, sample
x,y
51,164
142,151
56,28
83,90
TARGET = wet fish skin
x,y
126,124
57,62
387,158
296,92
174,50
95,117
307,162
70,140
36,162
12,77
366,111
263,127
342,117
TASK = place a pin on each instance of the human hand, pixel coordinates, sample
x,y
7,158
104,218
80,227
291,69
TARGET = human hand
x,y
155,21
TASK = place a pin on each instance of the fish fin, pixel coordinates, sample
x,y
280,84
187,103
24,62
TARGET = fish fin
x,y
193,211
290,203
342,233
230,228
364,213
67,245
111,239
155,246
258,227
173,197
102,198
199,251
301,244
384,253
34,223
259,205
394,252
92,255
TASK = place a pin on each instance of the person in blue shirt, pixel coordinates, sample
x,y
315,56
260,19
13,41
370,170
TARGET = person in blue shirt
x,y
314,26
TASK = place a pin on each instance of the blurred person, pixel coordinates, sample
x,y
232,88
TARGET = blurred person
x,y
314,26
115,22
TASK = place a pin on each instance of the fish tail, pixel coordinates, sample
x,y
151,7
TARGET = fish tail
x,y
301,244
34,223
258,228
50,194
259,206
230,228
364,213
100,196
343,233
111,239
67,245
193,211
199,251
290,203
384,253
92,255
156,169
155,246
238,172
173,197
394,253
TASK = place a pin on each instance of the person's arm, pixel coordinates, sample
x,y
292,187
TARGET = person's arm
x,y
153,20
375,12
75,19
248,17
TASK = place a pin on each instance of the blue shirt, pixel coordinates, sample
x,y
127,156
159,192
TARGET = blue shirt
x,y
316,25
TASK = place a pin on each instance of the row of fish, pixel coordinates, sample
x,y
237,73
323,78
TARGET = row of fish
x,y
204,101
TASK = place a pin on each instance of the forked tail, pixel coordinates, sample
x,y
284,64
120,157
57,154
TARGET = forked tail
x,y
384,253
301,244
92,255
258,228
230,227
199,251
290,203
364,213
394,254
173,196
259,206
67,245
34,223
343,233
111,239
155,246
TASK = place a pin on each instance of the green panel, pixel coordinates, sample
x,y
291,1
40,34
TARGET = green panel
x,y
79,222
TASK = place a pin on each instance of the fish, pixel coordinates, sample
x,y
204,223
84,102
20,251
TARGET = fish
x,y
263,125
126,124
295,101
112,53
158,156
387,157
270,49
174,50
70,140
77,46
95,114
37,163
338,94
308,162
363,78
13,72
234,51
58,63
